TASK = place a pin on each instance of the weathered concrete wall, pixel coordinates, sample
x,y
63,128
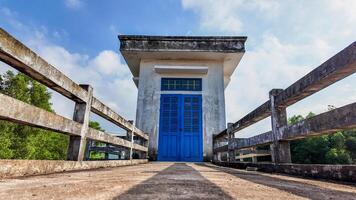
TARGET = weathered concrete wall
x,y
15,168
213,100
330,172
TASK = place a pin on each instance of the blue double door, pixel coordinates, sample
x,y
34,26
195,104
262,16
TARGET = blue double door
x,y
180,130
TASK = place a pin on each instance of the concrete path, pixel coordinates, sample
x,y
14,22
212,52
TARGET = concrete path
x,y
171,181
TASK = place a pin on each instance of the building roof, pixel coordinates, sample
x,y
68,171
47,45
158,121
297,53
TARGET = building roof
x,y
228,49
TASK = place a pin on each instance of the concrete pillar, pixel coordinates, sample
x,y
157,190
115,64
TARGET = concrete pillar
x,y
280,150
132,143
241,159
77,144
87,149
254,158
231,135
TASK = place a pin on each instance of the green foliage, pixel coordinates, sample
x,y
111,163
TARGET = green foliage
x,y
337,156
337,148
96,155
23,142
95,125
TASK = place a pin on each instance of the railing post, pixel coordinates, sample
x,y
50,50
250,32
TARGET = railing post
x,y
132,143
254,158
77,144
87,149
280,150
231,135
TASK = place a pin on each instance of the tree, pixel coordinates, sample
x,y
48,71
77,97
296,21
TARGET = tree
x,y
337,148
337,156
24,142
96,155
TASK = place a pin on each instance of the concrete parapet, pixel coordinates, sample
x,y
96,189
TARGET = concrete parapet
x,y
16,168
318,171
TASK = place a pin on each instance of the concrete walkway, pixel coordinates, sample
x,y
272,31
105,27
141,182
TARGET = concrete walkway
x,y
171,181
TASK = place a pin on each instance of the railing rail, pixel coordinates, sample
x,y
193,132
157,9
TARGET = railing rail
x,y
22,58
334,69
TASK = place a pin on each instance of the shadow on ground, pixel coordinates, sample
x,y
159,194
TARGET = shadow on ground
x,y
178,181
299,188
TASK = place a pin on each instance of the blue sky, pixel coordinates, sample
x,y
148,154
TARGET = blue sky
x,y
286,39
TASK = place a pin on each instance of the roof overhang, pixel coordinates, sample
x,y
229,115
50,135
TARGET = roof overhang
x,y
227,49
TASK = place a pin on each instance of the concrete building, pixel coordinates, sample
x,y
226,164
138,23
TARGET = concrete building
x,y
181,82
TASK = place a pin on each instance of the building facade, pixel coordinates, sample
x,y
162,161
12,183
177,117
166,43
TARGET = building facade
x,y
181,82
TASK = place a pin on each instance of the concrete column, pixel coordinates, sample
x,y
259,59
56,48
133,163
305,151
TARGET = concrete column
x,y
231,135
77,144
241,159
132,143
280,150
254,158
107,152
87,149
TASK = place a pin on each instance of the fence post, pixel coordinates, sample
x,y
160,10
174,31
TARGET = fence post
x,y
280,150
77,144
231,136
254,158
132,143
87,149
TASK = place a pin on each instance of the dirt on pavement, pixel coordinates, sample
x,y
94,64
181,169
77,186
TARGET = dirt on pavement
x,y
161,180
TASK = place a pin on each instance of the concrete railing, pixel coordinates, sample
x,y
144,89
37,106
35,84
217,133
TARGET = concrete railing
x,y
227,148
20,57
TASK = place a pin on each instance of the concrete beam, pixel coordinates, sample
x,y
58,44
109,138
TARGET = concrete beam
x,y
222,44
17,168
17,55
22,58
256,115
107,149
243,143
328,172
19,112
257,153
106,138
334,69
104,111
223,148
339,119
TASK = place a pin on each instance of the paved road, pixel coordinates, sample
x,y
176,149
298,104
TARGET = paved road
x,y
171,181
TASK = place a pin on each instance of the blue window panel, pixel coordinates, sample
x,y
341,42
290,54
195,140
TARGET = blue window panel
x,y
181,84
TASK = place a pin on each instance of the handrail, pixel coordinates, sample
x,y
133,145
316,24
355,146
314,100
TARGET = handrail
x,y
22,58
334,69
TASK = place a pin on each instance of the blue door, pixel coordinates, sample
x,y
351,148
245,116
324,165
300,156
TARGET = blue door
x,y
180,134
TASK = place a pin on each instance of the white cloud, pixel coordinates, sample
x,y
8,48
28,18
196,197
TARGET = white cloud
x,y
109,77
286,40
225,15
4,68
73,4
108,63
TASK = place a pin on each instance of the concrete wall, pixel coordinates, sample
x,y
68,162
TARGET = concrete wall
x,y
149,91
318,171
16,168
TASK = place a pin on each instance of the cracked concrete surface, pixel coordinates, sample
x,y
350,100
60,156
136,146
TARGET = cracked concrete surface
x,y
171,181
